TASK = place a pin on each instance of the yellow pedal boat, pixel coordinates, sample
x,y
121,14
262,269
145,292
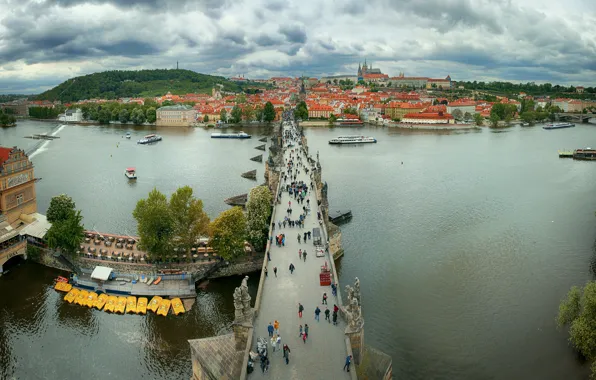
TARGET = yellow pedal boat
x,y
164,307
111,304
100,301
120,305
131,304
63,286
91,298
82,298
72,295
142,305
154,304
177,306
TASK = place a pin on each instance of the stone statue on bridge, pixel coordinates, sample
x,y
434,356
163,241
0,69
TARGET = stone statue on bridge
x,y
353,309
243,311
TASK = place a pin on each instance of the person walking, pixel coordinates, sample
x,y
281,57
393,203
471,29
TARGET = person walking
x,y
306,330
324,299
334,289
287,353
292,267
304,338
266,272
300,254
304,255
298,238
276,326
348,362
268,256
334,318
300,310
278,342
270,329
300,329
263,363
275,271
327,312
317,312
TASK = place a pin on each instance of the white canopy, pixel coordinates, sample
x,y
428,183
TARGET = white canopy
x,y
101,273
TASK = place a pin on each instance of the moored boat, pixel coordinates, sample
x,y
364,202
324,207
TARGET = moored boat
x,y
587,154
130,173
82,298
559,125
352,140
149,139
63,287
120,305
239,135
111,304
72,295
127,135
142,305
177,306
131,304
100,301
164,307
154,304
91,298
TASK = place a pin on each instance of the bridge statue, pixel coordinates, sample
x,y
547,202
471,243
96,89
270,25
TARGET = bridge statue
x,y
353,309
242,310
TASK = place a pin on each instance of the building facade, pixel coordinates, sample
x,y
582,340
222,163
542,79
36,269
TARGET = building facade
x,y
428,118
175,116
71,115
17,184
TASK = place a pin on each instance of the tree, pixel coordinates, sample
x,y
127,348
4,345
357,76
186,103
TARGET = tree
x,y
228,233
66,234
578,311
61,207
494,119
467,116
236,115
205,119
103,117
457,114
301,111
332,119
7,120
123,116
258,215
259,113
155,225
240,99
350,111
478,119
269,112
248,113
151,115
137,116
190,221
223,115
528,117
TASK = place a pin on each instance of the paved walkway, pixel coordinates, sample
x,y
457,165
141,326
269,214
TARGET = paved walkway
x,y
324,353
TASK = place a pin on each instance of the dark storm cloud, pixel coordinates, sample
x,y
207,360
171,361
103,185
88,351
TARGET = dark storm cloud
x,y
293,33
265,40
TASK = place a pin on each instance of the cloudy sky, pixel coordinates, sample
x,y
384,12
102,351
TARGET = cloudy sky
x,y
44,42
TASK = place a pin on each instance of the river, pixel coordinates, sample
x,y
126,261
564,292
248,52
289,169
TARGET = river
x,y
463,251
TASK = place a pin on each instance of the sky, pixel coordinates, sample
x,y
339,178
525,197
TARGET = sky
x,y
44,42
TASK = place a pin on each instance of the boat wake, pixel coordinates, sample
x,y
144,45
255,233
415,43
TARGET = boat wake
x,y
41,146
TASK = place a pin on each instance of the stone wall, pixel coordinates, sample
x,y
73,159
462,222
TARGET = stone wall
x,y
239,268
46,258
335,247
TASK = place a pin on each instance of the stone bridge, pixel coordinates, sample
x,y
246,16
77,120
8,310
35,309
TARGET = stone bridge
x,y
576,117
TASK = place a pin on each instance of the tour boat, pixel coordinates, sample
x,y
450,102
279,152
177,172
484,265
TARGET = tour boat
x,y
130,173
559,126
352,140
149,139
587,154
239,135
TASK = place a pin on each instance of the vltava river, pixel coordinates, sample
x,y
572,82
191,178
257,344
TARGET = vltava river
x,y
463,251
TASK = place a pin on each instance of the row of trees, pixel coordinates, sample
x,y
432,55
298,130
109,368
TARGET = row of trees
x,y
301,111
530,88
238,113
123,113
46,112
7,119
181,221
67,231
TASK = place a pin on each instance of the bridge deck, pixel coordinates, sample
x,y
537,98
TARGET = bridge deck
x,y
323,355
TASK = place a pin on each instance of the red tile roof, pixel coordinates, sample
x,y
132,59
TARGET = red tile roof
x,y
4,154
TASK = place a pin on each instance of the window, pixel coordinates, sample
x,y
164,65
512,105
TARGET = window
x,y
19,199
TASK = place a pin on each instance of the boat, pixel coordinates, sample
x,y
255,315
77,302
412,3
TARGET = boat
x,y
111,304
142,305
100,301
120,305
150,280
157,281
164,307
72,295
130,173
352,140
149,139
127,135
177,306
587,154
143,279
131,304
239,135
63,287
154,304
91,298
61,279
559,125
525,124
82,298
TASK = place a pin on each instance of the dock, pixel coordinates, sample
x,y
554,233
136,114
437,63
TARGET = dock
x,y
42,137
565,153
340,216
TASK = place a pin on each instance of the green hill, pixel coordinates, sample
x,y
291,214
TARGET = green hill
x,y
142,83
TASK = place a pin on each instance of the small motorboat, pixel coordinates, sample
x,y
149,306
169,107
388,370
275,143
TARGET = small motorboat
x,y
150,280
130,173
127,135
61,279
157,281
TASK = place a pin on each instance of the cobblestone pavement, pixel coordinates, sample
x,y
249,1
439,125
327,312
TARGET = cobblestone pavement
x,y
323,355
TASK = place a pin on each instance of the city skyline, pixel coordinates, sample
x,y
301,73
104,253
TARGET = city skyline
x,y
44,43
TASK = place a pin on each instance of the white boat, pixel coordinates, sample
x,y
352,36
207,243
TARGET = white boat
x,y
559,126
127,135
149,139
353,140
239,135
130,173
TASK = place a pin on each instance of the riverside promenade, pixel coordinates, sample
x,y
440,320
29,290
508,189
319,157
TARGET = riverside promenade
x,y
324,353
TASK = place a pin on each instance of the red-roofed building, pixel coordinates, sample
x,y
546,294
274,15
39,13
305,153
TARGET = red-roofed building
x,y
319,111
17,185
428,118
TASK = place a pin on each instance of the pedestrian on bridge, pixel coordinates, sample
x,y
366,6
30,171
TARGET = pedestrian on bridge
x,y
324,299
300,253
292,267
300,310
305,330
327,315
317,312
270,329
304,255
287,353
348,362
276,326
275,271
298,238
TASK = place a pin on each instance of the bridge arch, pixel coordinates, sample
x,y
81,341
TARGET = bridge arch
x,y
11,251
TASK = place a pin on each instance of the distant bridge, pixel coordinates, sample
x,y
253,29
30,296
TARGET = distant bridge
x,y
575,116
